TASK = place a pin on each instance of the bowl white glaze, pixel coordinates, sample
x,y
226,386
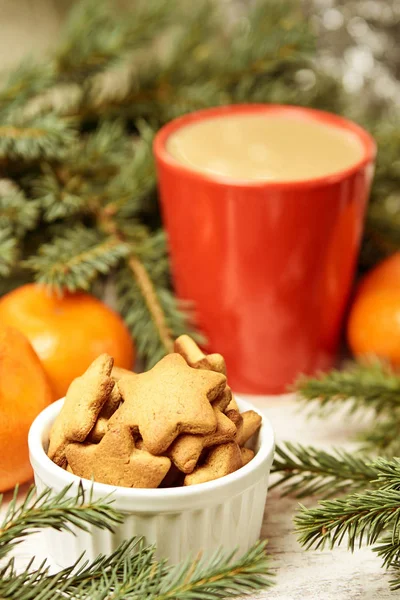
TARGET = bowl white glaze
x,y
226,513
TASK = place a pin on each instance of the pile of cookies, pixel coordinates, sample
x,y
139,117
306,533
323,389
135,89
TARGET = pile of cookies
x,y
176,424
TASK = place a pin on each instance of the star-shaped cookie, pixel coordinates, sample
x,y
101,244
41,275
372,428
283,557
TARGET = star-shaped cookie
x,y
170,399
109,408
186,449
187,347
221,460
83,402
116,461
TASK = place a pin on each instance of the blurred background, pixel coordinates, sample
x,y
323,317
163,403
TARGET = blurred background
x,y
357,38
78,199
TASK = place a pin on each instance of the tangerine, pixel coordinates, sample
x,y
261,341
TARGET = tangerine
x,y
24,393
67,332
374,319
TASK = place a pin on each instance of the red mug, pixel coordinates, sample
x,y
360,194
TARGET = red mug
x,y
269,265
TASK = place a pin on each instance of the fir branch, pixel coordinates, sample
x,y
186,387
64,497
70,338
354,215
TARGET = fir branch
x,y
59,199
388,473
225,62
362,517
49,510
42,137
74,260
395,582
125,194
148,292
149,308
306,471
27,80
110,37
366,385
383,437
219,576
388,549
107,145
131,572
17,213
8,251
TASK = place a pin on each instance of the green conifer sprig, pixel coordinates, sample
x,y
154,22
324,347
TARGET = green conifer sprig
x,y
72,262
166,320
27,80
130,573
17,212
41,137
370,512
382,437
308,471
359,517
372,385
58,511
8,251
97,37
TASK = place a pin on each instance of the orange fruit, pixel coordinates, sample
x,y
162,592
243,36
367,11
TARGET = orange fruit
x,y
24,393
67,332
374,319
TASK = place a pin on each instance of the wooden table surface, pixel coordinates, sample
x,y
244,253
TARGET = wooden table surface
x,y
300,575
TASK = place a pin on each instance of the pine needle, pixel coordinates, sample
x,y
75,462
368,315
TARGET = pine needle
x,y
58,511
72,262
131,572
360,517
17,212
46,136
307,471
371,385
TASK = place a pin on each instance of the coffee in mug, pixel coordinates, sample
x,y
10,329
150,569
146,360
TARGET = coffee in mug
x,y
265,147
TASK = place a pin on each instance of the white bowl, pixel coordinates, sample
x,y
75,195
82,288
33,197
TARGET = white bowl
x,y
225,513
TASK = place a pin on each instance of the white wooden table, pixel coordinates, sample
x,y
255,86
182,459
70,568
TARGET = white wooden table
x,y
336,575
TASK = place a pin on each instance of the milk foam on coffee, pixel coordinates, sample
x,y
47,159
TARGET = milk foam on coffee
x,y
265,147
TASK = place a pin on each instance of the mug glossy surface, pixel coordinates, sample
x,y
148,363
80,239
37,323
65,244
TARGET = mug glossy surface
x,y
268,265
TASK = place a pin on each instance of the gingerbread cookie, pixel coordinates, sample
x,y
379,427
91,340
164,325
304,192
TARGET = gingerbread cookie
x,y
232,405
224,399
251,422
186,450
187,347
84,400
247,455
116,461
109,408
118,372
220,461
237,419
170,399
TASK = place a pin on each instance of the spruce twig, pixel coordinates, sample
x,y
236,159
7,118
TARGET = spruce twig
x,y
43,137
149,294
58,511
8,251
371,385
362,517
307,471
131,572
370,512
73,261
383,436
